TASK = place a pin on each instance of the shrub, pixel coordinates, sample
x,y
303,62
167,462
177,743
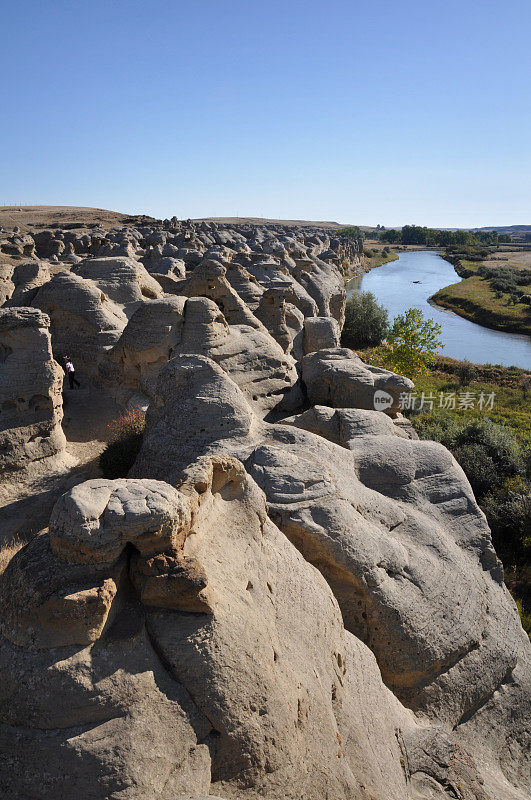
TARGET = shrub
x,y
366,321
351,232
525,616
508,510
466,373
488,453
120,453
479,467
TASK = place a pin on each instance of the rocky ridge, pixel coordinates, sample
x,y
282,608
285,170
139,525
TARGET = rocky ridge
x,y
289,596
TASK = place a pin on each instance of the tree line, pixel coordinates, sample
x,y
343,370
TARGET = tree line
x,y
434,237
429,237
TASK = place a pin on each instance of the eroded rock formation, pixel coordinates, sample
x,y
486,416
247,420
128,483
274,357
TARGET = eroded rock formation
x,y
30,390
289,596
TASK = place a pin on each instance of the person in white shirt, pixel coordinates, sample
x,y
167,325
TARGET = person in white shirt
x,y
70,371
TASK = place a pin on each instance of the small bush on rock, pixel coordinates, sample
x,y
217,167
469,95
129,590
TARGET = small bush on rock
x,y
120,453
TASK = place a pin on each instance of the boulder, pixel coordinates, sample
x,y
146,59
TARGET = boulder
x,y
27,278
388,521
95,521
208,280
338,377
321,333
166,702
150,338
248,354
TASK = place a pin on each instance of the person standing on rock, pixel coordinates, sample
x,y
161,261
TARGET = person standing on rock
x,y
70,371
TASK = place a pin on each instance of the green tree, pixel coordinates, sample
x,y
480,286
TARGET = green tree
x,y
351,232
411,343
366,321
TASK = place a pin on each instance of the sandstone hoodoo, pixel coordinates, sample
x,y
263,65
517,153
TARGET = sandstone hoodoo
x,y
288,595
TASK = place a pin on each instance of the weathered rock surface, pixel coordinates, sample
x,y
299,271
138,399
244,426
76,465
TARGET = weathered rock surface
x,y
160,702
388,521
150,338
84,322
320,333
301,606
338,377
123,280
30,390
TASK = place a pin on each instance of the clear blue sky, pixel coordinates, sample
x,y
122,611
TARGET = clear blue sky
x,y
383,112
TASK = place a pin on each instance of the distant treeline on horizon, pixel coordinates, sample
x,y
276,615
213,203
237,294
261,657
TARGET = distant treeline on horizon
x,y
430,237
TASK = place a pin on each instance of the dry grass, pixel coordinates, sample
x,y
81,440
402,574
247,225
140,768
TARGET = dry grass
x,y
474,299
8,550
35,217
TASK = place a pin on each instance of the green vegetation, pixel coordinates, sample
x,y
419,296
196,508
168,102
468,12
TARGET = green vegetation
x,y
374,257
489,294
489,453
120,453
434,237
351,232
410,345
510,386
366,321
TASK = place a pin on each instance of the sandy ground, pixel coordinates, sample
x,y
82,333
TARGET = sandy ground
x,y
27,497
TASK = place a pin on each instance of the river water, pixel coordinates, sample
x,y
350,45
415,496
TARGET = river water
x,y
394,287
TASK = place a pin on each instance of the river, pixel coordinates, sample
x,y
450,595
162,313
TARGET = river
x,y
394,287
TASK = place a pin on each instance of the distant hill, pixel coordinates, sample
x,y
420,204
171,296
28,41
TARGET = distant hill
x,y
45,216
31,217
516,232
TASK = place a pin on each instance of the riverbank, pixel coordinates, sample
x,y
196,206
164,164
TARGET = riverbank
x,y
476,300
415,277
370,259
375,257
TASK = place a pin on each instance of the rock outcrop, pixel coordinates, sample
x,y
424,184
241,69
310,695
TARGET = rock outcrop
x,y
123,280
227,697
388,521
30,390
337,377
84,322
289,595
